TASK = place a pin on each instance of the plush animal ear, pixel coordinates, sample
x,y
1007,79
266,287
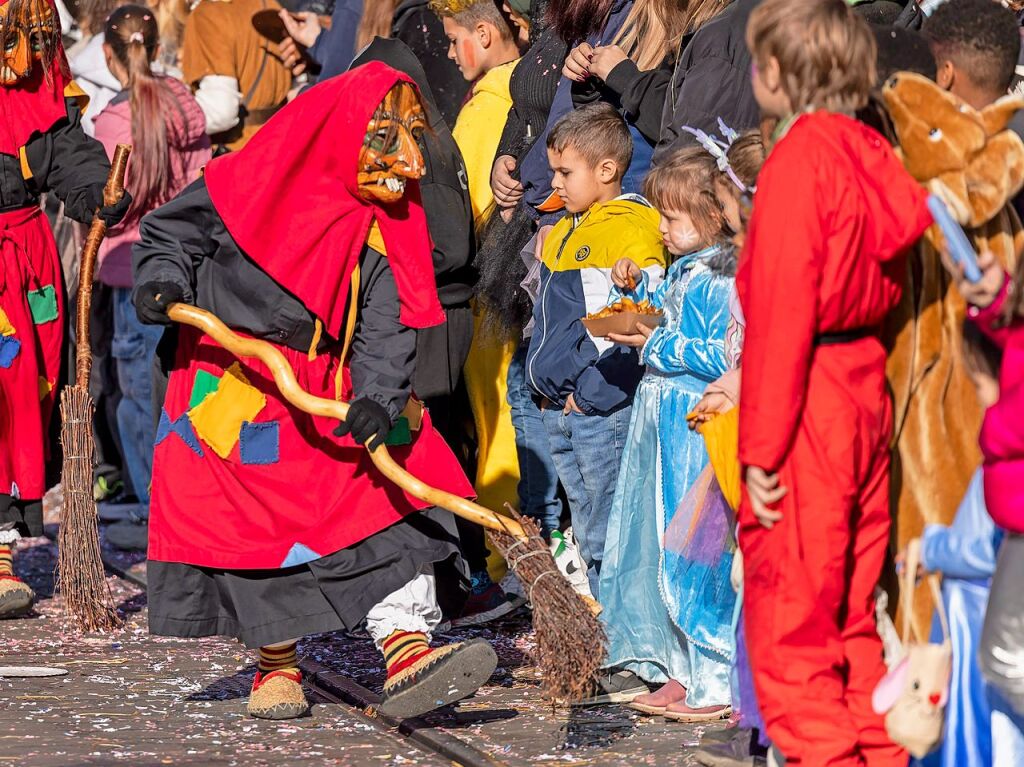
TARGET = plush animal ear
x,y
996,116
891,687
994,176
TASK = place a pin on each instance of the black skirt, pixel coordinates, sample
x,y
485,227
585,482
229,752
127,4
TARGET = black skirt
x,y
261,607
25,516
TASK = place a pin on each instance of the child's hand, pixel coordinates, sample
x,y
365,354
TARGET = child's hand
x,y
901,561
983,292
711,404
636,340
604,59
764,490
571,407
577,65
625,274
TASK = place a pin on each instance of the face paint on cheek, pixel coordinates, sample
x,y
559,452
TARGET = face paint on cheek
x,y
467,55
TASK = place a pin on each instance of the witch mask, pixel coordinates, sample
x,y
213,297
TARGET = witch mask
x,y
391,154
29,33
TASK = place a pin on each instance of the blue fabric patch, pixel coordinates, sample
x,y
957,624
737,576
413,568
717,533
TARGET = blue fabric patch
x,y
182,427
299,554
259,443
9,348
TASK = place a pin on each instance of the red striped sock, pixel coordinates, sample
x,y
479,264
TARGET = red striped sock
x,y
402,649
278,657
6,561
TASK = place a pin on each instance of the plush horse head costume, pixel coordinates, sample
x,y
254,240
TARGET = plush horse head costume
x,y
969,159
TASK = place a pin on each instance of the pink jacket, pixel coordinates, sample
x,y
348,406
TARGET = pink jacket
x,y
1002,431
189,153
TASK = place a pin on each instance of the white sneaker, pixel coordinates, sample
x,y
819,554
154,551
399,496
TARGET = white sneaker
x,y
568,559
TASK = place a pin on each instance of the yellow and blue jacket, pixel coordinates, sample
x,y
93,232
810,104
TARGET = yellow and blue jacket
x,y
579,254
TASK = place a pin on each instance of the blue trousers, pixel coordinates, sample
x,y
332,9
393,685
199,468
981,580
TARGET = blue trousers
x,y
133,349
538,480
587,451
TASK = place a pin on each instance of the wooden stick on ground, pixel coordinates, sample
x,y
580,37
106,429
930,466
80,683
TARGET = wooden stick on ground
x,y
80,575
570,639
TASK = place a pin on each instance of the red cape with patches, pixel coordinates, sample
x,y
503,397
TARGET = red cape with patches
x,y
291,201
34,104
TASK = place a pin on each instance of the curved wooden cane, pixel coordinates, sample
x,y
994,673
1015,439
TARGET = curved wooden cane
x,y
303,400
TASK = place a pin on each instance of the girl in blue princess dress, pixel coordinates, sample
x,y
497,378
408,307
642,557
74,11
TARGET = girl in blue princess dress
x,y
649,635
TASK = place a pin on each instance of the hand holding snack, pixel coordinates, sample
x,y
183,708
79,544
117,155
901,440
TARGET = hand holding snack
x,y
625,274
636,340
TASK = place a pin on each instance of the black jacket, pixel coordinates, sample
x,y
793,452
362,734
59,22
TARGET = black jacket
x,y
442,350
711,80
63,160
185,242
420,28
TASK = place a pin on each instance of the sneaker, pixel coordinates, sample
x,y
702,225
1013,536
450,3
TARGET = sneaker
x,y
741,749
567,557
105,488
117,512
128,535
486,603
277,695
616,687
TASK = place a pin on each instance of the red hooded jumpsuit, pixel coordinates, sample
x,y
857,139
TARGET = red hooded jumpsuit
x,y
834,212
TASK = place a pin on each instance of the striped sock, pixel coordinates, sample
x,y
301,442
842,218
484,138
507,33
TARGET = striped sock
x,y
6,560
277,657
402,649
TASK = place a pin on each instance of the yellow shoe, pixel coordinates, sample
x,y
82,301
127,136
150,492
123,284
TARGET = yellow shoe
x,y
278,695
16,597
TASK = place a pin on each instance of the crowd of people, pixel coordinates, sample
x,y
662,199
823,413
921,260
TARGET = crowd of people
x,y
424,206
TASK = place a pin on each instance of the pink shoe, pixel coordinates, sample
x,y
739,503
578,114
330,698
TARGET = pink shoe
x,y
680,712
655,703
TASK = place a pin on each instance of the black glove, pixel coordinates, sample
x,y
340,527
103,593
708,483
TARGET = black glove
x,y
111,214
366,419
152,300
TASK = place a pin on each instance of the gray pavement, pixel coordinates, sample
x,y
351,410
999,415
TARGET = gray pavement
x,y
134,699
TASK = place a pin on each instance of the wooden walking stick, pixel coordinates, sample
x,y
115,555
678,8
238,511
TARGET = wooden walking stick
x,y
570,639
80,575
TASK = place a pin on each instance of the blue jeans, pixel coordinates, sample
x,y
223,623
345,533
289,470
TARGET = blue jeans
x,y
133,349
587,450
633,180
538,480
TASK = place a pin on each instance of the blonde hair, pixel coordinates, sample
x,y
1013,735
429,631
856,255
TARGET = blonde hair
x,y
654,28
685,182
826,52
469,13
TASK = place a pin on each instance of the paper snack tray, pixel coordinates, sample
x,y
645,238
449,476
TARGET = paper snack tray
x,y
624,323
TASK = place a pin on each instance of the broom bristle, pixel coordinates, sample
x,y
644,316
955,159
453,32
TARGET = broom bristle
x,y
80,575
571,641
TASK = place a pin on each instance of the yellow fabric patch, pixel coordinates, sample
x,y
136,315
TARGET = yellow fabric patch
x,y
376,240
6,328
26,169
722,439
218,418
74,91
45,387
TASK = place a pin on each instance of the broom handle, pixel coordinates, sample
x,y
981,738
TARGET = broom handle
x,y
112,193
303,400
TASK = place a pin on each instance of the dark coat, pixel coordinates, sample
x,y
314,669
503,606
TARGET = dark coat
x,y
441,350
711,80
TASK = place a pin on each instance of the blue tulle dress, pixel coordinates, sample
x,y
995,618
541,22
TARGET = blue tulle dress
x,y
981,731
657,626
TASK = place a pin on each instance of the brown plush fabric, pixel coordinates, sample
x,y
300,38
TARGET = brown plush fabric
x,y
976,166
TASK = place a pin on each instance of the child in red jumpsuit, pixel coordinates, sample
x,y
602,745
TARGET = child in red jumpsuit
x,y
833,214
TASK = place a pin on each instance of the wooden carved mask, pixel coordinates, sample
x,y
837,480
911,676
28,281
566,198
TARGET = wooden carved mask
x,y
29,33
391,154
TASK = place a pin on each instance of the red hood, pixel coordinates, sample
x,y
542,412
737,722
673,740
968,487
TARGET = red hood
x,y
290,199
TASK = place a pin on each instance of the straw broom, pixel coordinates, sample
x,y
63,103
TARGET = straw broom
x,y
80,576
570,639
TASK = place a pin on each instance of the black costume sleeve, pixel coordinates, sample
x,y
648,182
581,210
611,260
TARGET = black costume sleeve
x,y
174,238
69,163
383,356
642,94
